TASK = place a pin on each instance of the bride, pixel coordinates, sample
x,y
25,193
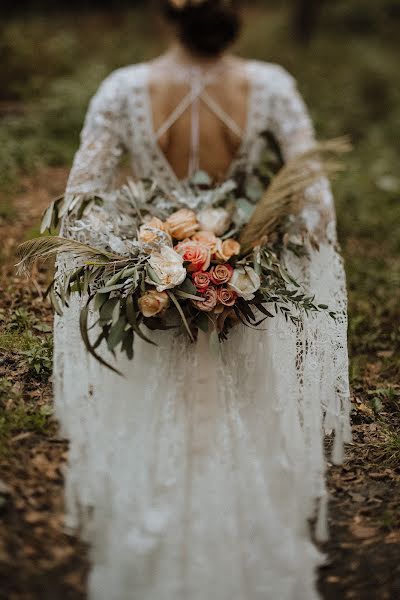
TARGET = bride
x,y
196,476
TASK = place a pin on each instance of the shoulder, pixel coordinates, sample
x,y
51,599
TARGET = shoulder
x,y
278,80
114,89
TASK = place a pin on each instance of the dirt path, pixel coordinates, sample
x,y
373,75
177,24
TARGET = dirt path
x,y
39,561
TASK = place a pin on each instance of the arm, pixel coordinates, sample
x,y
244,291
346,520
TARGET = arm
x,y
101,147
321,341
291,124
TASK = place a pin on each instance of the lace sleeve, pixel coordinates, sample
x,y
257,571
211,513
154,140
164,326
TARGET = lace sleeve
x,y
321,341
292,126
101,147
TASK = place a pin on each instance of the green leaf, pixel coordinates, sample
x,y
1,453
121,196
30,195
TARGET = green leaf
x,y
116,333
188,287
181,313
106,311
202,322
83,324
99,301
265,312
215,345
152,275
127,343
55,302
184,295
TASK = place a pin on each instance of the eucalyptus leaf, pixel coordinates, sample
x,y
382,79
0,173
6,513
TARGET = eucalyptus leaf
x,y
116,333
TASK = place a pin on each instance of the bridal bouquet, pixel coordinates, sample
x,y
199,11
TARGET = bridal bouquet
x,y
205,260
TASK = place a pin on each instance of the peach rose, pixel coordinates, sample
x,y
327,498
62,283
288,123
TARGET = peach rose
x,y
221,274
153,303
226,249
198,255
209,302
153,238
201,280
182,224
207,238
226,297
156,223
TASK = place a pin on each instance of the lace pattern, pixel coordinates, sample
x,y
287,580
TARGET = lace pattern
x,y
194,476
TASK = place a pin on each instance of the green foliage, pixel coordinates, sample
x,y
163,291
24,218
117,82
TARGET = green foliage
x,y
17,416
20,320
39,357
36,351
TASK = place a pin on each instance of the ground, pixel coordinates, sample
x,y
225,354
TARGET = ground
x,y
347,78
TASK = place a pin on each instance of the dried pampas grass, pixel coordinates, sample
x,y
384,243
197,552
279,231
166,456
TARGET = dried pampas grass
x,y
285,195
46,247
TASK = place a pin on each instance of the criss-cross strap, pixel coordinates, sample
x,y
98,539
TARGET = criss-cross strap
x,y
198,82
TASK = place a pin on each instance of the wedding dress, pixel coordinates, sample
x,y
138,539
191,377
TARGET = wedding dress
x,y
194,476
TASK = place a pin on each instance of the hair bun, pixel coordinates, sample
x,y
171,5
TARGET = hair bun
x,y
205,27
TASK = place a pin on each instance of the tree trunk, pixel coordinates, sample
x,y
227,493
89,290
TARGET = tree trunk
x,y
305,18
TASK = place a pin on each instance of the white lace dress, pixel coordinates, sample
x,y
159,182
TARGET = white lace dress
x,y
194,477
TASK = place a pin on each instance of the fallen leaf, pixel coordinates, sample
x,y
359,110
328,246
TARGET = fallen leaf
x,y
363,532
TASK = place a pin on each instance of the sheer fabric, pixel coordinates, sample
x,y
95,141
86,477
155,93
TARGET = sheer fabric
x,y
194,475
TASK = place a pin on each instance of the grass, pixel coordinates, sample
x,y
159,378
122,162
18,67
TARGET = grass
x,y
36,351
18,416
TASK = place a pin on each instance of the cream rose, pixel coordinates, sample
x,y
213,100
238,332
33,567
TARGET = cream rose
x,y
153,303
216,220
245,282
182,224
168,269
195,253
226,249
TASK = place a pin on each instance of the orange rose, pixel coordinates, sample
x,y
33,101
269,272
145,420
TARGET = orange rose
x,y
198,255
207,238
226,249
226,297
182,224
221,274
209,302
153,303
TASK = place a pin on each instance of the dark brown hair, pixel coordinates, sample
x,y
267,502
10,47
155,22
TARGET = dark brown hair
x,y
206,28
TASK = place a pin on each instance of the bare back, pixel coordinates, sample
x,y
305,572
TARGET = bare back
x,y
227,91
